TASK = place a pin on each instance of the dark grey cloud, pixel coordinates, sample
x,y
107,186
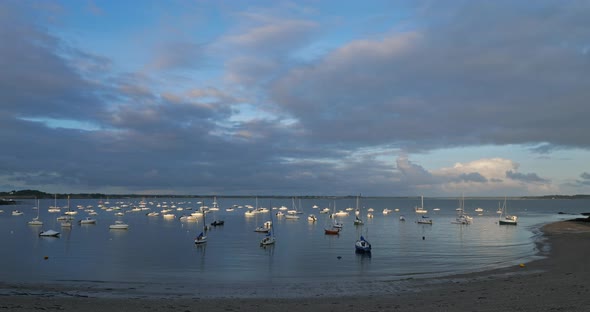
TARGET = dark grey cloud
x,y
584,180
36,80
478,73
528,177
472,177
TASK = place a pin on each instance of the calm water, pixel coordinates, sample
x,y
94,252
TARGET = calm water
x,y
158,253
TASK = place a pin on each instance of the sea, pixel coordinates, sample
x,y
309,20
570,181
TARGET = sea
x,y
157,255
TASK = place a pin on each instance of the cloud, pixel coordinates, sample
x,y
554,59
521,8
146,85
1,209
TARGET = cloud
x,y
179,55
270,117
530,177
276,36
583,181
464,76
478,177
37,80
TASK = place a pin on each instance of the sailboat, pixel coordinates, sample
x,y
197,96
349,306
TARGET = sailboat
x,y
67,222
202,238
462,218
335,228
357,219
214,204
54,208
269,239
362,245
215,207
36,220
261,228
505,218
421,208
293,213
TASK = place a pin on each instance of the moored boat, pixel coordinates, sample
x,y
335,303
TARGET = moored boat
x,y
49,233
362,245
119,225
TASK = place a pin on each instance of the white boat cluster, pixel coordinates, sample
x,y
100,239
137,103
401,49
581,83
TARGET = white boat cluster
x,y
169,210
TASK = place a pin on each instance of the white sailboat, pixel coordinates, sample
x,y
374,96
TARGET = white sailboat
x,y
269,239
357,219
36,220
421,208
462,218
505,218
67,223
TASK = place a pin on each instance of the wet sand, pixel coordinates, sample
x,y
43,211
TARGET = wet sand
x,y
559,282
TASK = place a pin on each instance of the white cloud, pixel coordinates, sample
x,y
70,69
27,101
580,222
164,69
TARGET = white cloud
x,y
491,176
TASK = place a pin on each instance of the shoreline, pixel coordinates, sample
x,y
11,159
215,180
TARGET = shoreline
x,y
557,281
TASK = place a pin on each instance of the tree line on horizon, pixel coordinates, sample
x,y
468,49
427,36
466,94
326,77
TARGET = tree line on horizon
x,y
28,194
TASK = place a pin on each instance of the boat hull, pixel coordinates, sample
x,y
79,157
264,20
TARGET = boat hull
x,y
49,233
331,231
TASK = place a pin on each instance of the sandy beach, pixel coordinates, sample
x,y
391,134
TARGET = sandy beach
x,y
558,282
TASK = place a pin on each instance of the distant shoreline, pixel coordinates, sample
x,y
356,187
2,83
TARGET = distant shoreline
x,y
34,194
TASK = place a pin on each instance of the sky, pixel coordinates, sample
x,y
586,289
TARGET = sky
x,y
379,98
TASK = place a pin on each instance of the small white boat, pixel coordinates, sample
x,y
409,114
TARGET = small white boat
x,y
402,218
65,218
262,229
312,218
17,212
478,209
35,221
291,217
424,220
188,218
49,233
200,239
66,224
267,240
87,220
341,213
119,225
